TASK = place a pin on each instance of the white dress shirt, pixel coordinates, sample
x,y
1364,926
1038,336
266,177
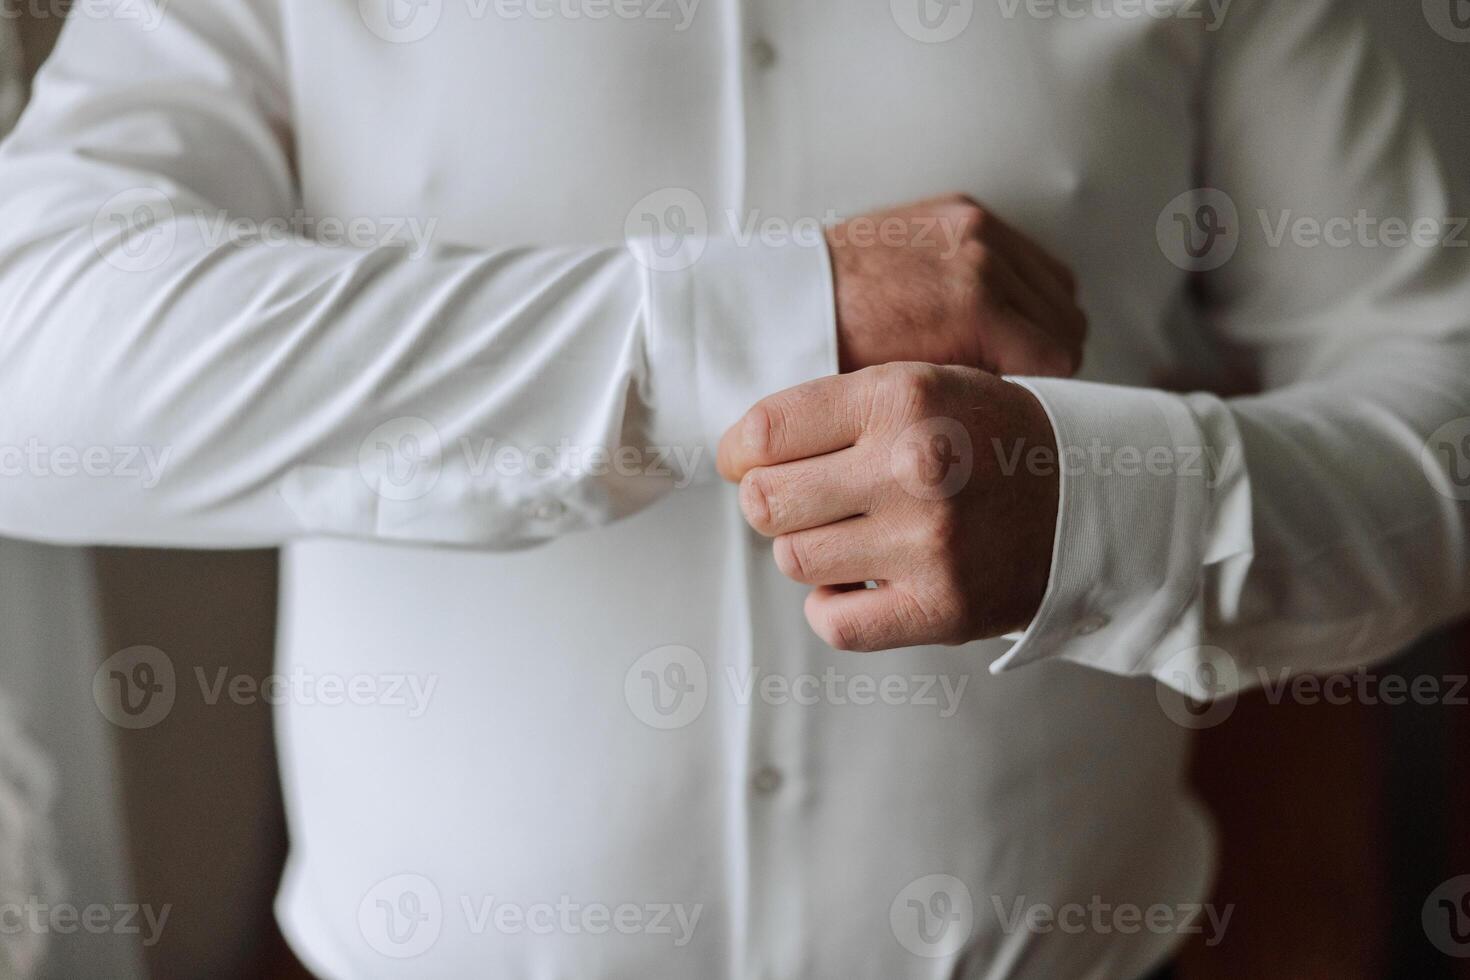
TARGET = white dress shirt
x,y
584,785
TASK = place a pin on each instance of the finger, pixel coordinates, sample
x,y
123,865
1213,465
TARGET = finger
x,y
809,492
862,620
851,551
1055,314
812,419
1034,262
1018,346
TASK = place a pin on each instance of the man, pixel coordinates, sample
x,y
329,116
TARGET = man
x,y
332,267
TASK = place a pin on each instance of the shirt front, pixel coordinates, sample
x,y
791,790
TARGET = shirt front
x,y
454,299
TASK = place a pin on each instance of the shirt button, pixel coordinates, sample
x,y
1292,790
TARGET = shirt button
x,y
1091,625
548,510
763,54
767,781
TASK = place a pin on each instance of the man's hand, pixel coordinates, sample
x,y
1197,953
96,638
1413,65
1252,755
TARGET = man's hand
x,y
912,476
947,282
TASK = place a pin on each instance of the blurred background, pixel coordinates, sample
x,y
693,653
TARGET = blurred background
x,y
1339,821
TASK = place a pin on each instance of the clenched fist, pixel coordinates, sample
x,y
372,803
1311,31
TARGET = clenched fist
x,y
898,475
947,282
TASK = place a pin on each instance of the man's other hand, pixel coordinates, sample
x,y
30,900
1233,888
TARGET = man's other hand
x,y
937,483
948,282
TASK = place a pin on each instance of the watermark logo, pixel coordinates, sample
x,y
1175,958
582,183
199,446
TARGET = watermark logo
x,y
566,916
146,14
1362,230
1103,918
401,916
668,230
1198,687
411,693
144,465
941,693
933,916
1450,19
401,21
135,230
1445,459
36,917
667,688
932,21
1211,13
135,688
933,459
1446,917
402,459
1199,230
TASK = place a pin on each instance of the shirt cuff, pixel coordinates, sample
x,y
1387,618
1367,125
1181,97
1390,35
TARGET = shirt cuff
x,y
1153,488
740,322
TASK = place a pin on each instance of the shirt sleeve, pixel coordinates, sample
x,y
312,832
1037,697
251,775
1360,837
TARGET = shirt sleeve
x,y
179,366
1325,522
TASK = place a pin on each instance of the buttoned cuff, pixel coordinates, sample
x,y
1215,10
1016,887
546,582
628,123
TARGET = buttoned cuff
x,y
729,324
1153,489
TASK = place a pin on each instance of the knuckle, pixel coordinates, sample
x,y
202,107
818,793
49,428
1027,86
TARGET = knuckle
x,y
974,254
914,383
838,631
944,610
757,498
981,221
940,532
791,558
760,430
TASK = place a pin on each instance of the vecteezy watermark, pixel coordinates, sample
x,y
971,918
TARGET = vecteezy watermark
x,y
411,692
670,229
37,917
933,459
669,687
138,687
1445,459
34,458
1098,458
941,693
1450,19
135,688
413,233
1103,918
1211,13
1364,687
932,21
568,917
933,916
404,458
404,916
1446,917
146,14
137,230
401,917
1361,230
1198,687
407,21
1199,230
